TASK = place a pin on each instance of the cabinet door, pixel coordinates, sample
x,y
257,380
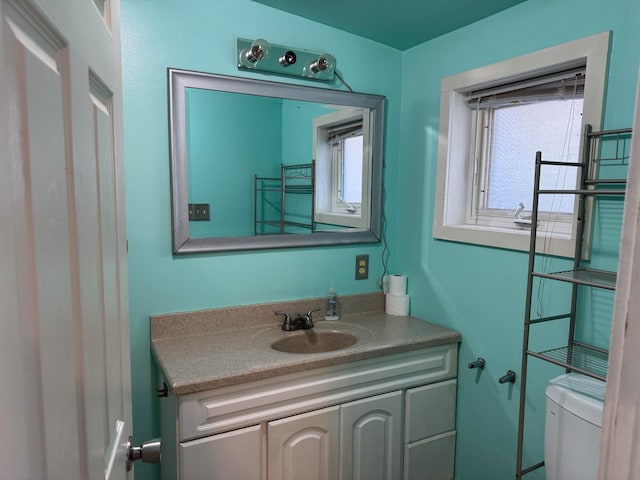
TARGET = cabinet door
x,y
371,435
305,447
430,459
234,455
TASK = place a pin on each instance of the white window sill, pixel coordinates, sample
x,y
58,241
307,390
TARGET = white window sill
x,y
509,238
353,220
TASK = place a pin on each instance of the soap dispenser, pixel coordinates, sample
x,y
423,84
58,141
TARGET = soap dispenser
x,y
332,305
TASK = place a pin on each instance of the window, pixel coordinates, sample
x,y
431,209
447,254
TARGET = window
x,y
508,127
348,154
343,167
493,120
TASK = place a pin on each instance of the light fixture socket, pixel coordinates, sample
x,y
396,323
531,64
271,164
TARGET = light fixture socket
x,y
257,51
320,64
288,58
323,64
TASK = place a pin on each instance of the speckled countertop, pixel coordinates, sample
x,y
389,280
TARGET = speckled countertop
x,y
201,350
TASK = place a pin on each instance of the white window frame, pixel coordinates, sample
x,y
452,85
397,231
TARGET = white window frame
x,y
327,209
453,193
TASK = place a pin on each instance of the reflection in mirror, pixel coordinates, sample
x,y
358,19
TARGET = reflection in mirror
x,y
260,164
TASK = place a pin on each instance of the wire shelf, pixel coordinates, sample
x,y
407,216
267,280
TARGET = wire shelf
x,y
302,171
579,358
583,276
292,211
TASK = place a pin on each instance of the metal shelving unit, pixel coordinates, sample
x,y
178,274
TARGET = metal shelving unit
x,y
277,192
575,356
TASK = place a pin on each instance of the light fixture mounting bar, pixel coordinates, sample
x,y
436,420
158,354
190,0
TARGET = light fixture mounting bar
x,y
263,56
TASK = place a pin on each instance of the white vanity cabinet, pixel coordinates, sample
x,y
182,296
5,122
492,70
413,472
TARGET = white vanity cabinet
x,y
383,418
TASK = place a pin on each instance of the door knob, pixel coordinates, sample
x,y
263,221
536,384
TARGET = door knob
x,y
148,452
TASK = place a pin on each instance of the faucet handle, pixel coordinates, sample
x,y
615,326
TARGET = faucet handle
x,y
287,324
308,318
287,318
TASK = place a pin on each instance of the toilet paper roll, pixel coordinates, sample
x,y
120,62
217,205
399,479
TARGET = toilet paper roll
x,y
397,305
397,284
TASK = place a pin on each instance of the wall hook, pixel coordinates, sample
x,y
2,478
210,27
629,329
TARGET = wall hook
x,y
164,391
479,363
510,377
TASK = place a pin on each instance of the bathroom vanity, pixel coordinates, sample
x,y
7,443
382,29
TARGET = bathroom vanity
x,y
381,408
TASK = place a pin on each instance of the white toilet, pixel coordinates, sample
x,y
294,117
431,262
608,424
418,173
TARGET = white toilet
x,y
572,427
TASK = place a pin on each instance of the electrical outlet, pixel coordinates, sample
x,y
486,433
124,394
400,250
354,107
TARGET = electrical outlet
x,y
362,267
199,212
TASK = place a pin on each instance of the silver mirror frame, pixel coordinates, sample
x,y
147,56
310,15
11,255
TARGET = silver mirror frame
x,y
180,80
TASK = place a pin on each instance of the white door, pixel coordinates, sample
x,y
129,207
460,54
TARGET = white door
x,y
65,409
620,438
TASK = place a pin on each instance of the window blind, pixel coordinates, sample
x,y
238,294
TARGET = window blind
x,y
561,85
340,132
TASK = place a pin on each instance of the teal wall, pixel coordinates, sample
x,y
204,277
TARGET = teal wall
x,y
478,291
297,118
220,141
481,291
297,148
200,35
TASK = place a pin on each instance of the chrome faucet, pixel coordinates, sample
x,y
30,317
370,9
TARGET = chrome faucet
x,y
301,321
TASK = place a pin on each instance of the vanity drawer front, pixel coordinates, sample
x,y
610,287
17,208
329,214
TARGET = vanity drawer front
x,y
230,408
430,410
430,459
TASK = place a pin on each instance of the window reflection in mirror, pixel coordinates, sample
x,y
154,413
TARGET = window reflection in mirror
x,y
343,166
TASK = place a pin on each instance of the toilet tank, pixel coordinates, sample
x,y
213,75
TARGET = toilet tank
x,y
572,427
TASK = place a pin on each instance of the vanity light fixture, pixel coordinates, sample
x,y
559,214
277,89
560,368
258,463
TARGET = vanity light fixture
x,y
261,56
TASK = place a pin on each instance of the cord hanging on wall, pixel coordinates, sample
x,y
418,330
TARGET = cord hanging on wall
x,y
260,55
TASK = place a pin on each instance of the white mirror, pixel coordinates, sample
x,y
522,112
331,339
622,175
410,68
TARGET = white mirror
x,y
259,164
